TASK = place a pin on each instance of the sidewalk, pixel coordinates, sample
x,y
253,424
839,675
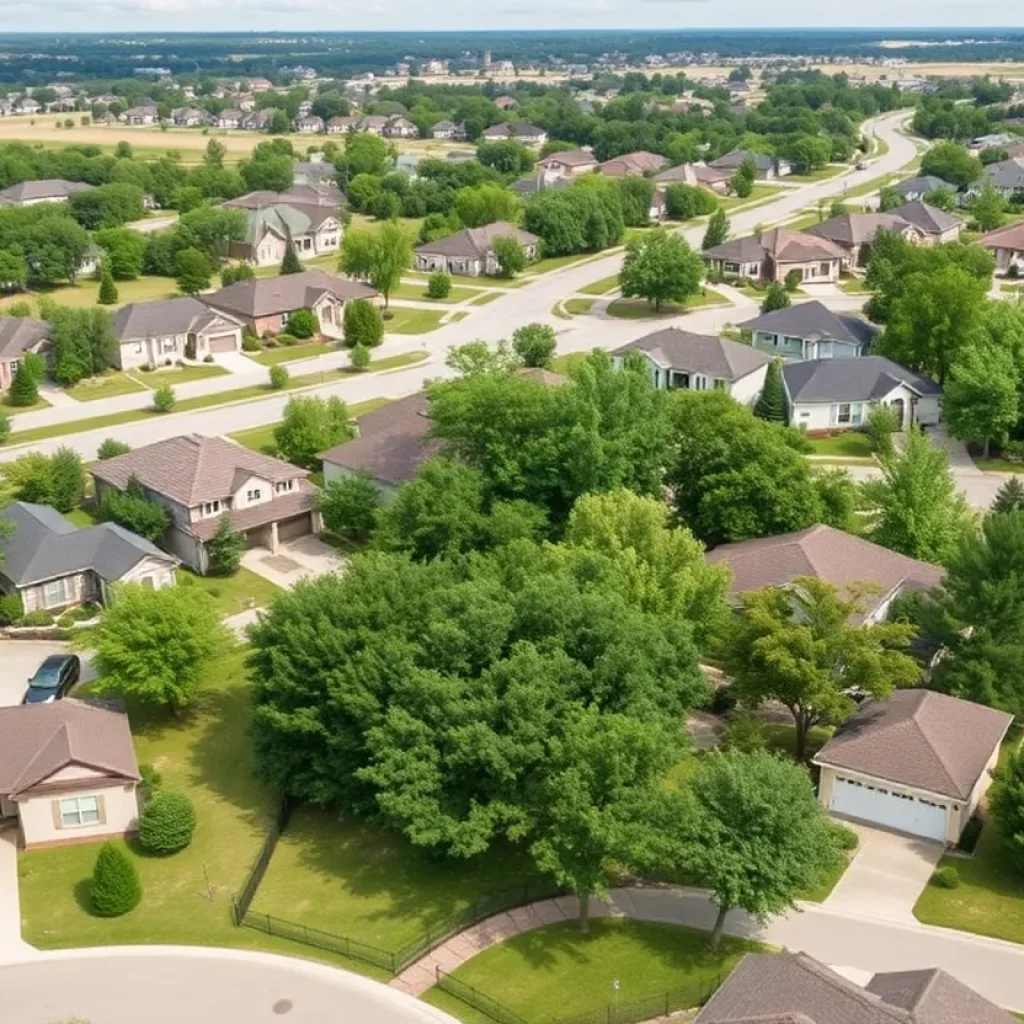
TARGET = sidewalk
x,y
12,947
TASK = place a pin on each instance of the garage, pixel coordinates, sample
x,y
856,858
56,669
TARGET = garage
x,y
223,342
297,526
902,812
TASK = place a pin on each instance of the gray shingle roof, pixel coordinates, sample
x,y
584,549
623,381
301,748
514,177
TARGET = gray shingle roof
x,y
813,321
934,997
19,335
922,184
735,159
928,218
48,188
851,380
698,353
571,158
857,228
477,242
919,738
1007,174
45,546
269,296
163,317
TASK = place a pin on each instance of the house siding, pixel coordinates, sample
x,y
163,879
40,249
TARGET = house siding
x,y
36,813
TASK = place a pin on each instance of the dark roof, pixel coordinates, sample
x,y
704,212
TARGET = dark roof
x,y
851,380
19,335
928,218
267,296
922,184
477,241
571,157
785,245
163,317
740,250
392,442
48,188
737,157
37,740
813,321
1007,174
793,988
857,228
829,554
1011,237
191,469
43,545
919,738
698,353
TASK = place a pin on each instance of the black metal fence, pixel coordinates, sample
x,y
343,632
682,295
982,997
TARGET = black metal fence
x,y
660,1004
321,940
477,999
242,900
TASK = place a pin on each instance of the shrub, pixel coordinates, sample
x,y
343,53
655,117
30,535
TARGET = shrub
x,y
723,700
945,878
10,609
167,822
745,734
845,837
1013,451
363,324
151,778
287,340
24,390
970,835
66,620
250,341
793,280
164,398
208,358
36,618
115,883
111,447
278,377
359,358
303,323
439,285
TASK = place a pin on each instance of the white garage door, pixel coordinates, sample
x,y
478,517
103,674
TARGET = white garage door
x,y
899,811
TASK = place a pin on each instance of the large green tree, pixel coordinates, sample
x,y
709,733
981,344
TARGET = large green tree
x,y
981,399
771,404
311,425
660,267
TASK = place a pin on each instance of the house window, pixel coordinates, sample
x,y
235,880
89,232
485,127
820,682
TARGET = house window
x,y
211,508
77,811
719,384
824,269
169,345
254,495
55,593
843,415
731,268
284,485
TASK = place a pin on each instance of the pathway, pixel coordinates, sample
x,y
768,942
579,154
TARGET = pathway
x,y
12,947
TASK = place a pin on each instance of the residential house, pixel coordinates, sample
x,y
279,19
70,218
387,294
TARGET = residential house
x,y
917,762
246,103
699,362
792,988
27,105
260,85
189,117
634,164
342,125
168,330
773,254
145,114
506,102
767,168
1007,245
258,120
834,556
309,125
265,304
48,190
470,252
449,130
914,190
305,214
374,124
1006,177
527,134
19,335
854,233
838,394
68,772
316,172
936,225
810,330
6,107
697,175
51,565
393,443
231,118
401,128
998,140
566,165
202,480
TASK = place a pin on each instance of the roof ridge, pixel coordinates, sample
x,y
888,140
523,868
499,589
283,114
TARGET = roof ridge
x,y
924,696
60,731
836,981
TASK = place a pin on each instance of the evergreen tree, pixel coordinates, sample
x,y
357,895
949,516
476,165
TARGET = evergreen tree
x,y
24,390
771,405
290,264
108,290
1009,497
115,883
225,549
718,230
776,297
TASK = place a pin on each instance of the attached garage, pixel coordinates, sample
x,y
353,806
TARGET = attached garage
x,y
223,342
297,526
891,808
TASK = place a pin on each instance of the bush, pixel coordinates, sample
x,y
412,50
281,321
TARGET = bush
x,y
287,340
793,280
278,377
845,837
250,341
1013,451
164,398
745,734
37,618
167,822
208,358
115,883
439,285
970,835
10,609
303,323
945,878
359,358
151,779
722,700
363,324
111,447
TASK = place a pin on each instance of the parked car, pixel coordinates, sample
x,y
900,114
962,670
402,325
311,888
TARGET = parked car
x,y
55,678
861,165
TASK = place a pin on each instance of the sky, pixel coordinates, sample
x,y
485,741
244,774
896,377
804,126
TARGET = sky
x,y
414,15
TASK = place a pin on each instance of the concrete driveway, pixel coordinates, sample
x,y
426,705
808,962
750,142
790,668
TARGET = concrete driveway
x,y
20,658
885,877
295,560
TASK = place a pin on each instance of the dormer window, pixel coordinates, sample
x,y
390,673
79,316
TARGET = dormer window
x,y
254,495
211,508
283,486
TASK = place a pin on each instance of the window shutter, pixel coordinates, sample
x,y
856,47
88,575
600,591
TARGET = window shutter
x,y
101,808
55,807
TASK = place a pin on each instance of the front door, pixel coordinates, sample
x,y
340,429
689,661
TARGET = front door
x,y
899,407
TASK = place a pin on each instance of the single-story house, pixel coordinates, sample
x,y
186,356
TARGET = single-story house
x,y
527,134
831,555
470,252
308,215
19,335
189,117
774,254
49,190
449,130
156,333
854,232
342,125
696,175
767,167
700,362
230,118
935,224
265,303
309,125
568,164
399,127
810,330
52,565
393,443
200,480
995,140
506,102
1007,245
635,164
68,772
913,190
1006,177
837,394
146,113
918,762
315,172
793,988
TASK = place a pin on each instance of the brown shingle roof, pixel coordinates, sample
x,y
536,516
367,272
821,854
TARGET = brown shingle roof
x,y
270,296
37,740
640,162
934,997
1011,237
858,228
284,507
477,242
191,469
19,335
919,738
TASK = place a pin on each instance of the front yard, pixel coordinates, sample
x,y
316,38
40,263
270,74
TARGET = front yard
x,y
602,287
850,444
85,293
406,320
107,385
640,309
290,353
239,592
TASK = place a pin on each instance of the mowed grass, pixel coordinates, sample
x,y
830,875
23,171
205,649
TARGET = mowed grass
x,y
175,375
821,174
107,385
759,194
850,443
418,292
602,287
577,307
640,309
547,971
85,293
363,882
10,409
291,353
261,439
405,320
239,592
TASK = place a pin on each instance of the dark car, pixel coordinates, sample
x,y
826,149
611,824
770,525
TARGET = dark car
x,y
53,679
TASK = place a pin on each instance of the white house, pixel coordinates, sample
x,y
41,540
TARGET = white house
x,y
168,330
1007,245
810,330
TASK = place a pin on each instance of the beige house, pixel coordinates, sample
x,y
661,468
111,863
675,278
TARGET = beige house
x,y
470,252
1007,245
568,164
918,762
49,190
307,215
19,335
202,480
68,773
774,254
168,330
855,232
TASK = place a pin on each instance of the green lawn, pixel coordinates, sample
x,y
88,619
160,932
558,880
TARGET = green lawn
x,y
759,194
821,174
290,353
232,594
86,293
261,439
578,306
602,287
804,221
851,443
547,971
107,385
82,519
640,309
996,464
366,883
413,321
563,364
781,736
483,298
39,403
854,286
558,262
419,293
175,375
752,292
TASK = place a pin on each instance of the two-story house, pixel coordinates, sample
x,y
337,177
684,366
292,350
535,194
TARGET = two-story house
x,y
200,480
449,130
568,164
308,217
810,330
157,333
